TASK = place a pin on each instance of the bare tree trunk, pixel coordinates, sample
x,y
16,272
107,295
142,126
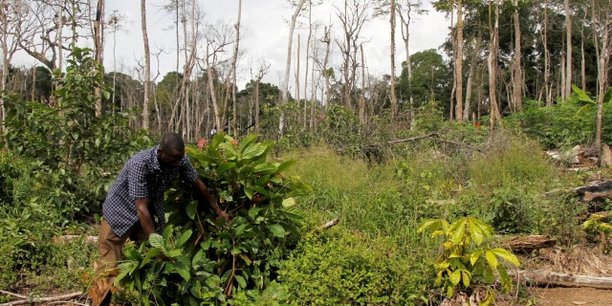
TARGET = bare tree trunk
x,y
492,65
234,72
603,65
547,83
98,27
517,68
393,94
285,88
5,71
468,90
307,66
326,40
298,100
568,54
582,56
147,68
459,63
213,96
362,102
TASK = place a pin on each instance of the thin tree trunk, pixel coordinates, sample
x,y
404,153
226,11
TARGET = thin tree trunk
x,y
468,90
568,54
517,68
99,50
492,65
603,55
234,72
307,65
362,102
285,88
393,94
459,63
147,68
5,71
326,40
298,100
547,84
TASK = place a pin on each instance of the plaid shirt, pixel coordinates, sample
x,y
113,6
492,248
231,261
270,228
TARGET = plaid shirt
x,y
142,177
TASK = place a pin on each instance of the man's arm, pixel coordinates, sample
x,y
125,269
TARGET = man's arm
x,y
199,185
146,221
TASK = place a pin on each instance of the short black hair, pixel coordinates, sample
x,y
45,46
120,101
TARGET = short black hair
x,y
172,141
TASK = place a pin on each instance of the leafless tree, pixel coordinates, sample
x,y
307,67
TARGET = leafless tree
x,y
352,16
147,67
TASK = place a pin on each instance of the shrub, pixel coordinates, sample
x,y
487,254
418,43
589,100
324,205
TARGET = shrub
x,y
466,259
339,268
200,259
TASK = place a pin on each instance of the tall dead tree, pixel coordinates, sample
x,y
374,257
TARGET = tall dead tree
x,y
568,51
602,22
458,62
547,82
98,35
147,67
352,16
285,88
517,68
494,114
234,72
393,93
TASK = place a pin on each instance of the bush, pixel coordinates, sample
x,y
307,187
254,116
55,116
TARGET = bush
x,y
338,268
200,259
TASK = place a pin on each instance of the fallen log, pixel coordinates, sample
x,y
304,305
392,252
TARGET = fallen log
x,y
526,244
44,299
595,191
544,278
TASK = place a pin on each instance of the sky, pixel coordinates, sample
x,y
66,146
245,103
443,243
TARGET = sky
x,y
264,35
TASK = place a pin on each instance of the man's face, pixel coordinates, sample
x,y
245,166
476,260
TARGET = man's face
x,y
170,159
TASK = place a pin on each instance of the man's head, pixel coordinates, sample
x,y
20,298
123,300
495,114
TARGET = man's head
x,y
171,150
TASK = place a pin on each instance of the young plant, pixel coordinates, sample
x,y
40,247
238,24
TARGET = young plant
x,y
465,257
201,259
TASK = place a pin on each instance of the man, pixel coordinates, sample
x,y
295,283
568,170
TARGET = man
x,y
133,201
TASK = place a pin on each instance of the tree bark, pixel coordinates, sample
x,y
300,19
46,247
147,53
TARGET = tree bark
x,y
99,50
393,94
494,115
147,68
459,63
568,52
547,84
234,70
285,88
517,68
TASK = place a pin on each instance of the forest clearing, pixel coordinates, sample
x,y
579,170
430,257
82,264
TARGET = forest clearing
x,y
478,173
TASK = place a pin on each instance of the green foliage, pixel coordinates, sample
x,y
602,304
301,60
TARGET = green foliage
x,y
465,258
599,231
566,124
339,268
200,259
72,147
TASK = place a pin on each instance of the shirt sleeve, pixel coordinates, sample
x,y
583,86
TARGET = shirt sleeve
x,y
188,172
137,180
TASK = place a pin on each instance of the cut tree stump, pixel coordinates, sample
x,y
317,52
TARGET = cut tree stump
x,y
543,278
526,244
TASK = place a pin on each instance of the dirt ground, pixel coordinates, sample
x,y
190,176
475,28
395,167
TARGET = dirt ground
x,y
559,296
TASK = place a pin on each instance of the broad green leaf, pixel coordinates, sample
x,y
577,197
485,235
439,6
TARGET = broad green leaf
x,y
246,259
223,167
466,278
507,255
254,151
182,270
474,256
491,259
582,96
184,237
288,202
191,209
229,150
284,165
241,281
246,141
173,253
198,258
253,212
277,230
157,241
266,168
455,277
